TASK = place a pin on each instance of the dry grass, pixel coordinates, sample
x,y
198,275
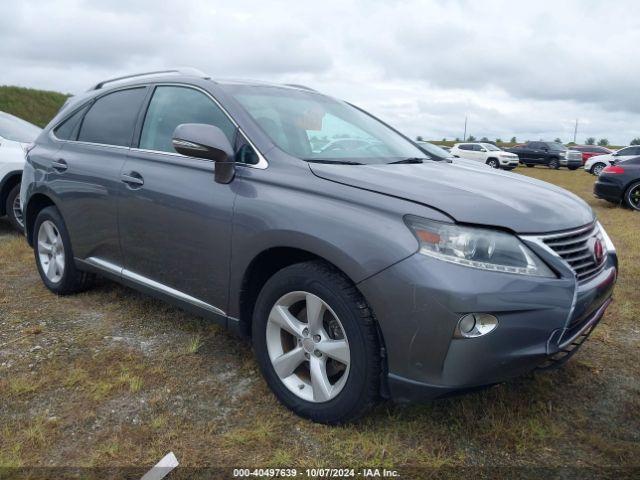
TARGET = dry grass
x,y
113,378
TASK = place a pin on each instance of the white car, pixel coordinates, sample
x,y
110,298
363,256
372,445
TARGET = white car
x,y
486,153
597,163
15,136
439,153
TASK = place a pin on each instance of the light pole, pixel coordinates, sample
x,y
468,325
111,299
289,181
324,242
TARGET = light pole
x,y
575,131
464,137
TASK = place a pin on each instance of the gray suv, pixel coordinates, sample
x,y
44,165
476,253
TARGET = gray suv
x,y
359,272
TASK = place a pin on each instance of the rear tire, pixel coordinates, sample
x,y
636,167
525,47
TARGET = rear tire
x,y
632,197
343,390
54,256
597,168
14,210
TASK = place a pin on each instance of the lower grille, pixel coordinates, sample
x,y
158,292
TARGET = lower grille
x,y
577,248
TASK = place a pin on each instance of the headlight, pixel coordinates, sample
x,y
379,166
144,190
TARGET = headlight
x,y
480,248
562,154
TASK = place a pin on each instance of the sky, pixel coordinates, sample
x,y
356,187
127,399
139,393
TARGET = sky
x,y
514,68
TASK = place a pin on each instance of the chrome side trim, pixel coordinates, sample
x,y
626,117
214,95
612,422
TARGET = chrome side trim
x,y
147,282
104,265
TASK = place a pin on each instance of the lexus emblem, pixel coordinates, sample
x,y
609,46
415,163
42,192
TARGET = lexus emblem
x,y
597,250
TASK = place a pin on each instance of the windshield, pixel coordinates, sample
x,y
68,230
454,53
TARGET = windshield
x,y
557,146
314,127
435,150
17,130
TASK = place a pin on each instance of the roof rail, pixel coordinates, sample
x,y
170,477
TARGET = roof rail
x,y
184,71
303,87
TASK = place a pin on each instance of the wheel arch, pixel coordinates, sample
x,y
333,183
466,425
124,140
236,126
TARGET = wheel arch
x,y
37,202
268,262
9,181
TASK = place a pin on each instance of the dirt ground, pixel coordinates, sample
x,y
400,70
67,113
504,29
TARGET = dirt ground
x,y
113,378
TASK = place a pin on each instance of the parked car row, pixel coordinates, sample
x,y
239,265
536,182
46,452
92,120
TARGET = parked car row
x,y
358,274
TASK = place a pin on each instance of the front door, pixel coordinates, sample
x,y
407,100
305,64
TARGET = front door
x,y
175,220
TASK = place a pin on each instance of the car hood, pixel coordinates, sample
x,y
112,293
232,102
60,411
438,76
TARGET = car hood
x,y
483,197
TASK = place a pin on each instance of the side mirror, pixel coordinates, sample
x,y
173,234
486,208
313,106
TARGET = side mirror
x,y
483,149
208,142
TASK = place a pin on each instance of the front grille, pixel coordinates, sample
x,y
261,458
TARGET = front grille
x,y
576,248
574,155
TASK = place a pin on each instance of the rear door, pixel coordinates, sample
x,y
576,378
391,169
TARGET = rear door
x,y
86,171
175,220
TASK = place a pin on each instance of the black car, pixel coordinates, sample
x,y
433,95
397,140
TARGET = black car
x,y
551,154
620,183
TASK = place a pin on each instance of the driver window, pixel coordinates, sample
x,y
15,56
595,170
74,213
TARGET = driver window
x,y
172,106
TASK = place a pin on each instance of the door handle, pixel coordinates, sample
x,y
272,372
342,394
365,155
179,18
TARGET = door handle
x,y
59,165
132,179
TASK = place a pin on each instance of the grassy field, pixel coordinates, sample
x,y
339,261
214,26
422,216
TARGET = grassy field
x,y
35,106
113,378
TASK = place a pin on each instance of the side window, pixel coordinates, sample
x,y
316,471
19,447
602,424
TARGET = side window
x,y
112,118
68,130
477,148
465,147
172,106
626,151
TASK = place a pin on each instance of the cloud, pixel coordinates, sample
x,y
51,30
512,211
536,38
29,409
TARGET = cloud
x,y
514,68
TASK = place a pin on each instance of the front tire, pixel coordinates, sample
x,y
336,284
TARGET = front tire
x,y
54,257
632,197
316,343
530,165
14,209
493,163
554,164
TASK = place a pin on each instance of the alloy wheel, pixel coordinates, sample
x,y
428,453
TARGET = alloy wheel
x,y
492,164
308,347
633,197
597,170
17,211
51,251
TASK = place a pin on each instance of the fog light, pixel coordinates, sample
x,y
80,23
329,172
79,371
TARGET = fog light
x,y
475,325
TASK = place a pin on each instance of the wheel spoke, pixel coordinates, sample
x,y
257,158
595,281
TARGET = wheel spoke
x,y
315,312
283,317
51,269
319,379
286,364
60,264
44,247
336,349
48,229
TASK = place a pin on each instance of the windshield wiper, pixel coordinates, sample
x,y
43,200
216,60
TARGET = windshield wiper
x,y
337,162
410,160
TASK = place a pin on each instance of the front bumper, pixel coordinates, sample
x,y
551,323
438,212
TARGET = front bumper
x,y
509,162
571,162
419,301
